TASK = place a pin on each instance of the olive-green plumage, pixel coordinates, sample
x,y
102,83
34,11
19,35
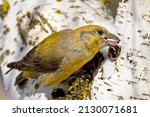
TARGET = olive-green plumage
x,y
62,54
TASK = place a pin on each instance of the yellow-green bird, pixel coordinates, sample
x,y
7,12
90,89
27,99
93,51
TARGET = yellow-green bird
x,y
63,53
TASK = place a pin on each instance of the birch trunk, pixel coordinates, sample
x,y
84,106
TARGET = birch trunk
x,y
129,76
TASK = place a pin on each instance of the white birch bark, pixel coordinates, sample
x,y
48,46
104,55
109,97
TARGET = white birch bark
x,y
129,76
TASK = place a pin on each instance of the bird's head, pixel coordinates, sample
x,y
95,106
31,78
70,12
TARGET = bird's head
x,y
97,36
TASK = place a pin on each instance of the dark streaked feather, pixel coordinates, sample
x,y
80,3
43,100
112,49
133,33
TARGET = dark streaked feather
x,y
29,63
34,62
19,79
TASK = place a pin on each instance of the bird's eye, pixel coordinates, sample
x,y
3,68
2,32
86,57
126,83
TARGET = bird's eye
x,y
99,32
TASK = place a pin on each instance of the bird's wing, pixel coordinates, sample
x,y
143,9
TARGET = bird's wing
x,y
32,63
42,58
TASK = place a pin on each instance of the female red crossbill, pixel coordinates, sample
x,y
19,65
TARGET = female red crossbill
x,y
63,53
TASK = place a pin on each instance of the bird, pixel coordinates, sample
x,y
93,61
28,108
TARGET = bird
x,y
63,53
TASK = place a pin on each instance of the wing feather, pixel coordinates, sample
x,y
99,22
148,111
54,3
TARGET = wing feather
x,y
37,58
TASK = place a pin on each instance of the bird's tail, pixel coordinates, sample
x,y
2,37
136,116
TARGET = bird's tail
x,y
15,65
8,71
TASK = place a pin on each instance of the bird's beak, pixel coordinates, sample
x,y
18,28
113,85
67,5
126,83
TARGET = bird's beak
x,y
112,40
